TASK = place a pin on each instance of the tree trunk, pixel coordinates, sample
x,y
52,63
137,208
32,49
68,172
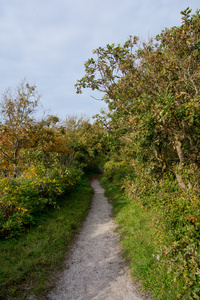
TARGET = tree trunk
x,y
181,162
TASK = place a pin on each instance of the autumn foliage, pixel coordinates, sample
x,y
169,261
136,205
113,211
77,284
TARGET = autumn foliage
x,y
40,160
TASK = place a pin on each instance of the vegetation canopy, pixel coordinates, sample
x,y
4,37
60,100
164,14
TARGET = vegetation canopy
x,y
153,127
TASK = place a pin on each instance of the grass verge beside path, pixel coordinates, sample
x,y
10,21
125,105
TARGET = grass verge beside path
x,y
138,238
28,265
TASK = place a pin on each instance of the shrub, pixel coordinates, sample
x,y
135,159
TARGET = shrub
x,y
23,198
178,221
116,171
180,217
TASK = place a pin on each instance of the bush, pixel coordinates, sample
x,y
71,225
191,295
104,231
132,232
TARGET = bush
x,y
180,217
177,225
116,171
23,198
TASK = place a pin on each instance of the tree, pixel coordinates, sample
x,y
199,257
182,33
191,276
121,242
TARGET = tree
x,y
153,95
17,110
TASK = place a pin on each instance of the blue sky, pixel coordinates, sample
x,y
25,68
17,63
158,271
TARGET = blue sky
x,y
47,42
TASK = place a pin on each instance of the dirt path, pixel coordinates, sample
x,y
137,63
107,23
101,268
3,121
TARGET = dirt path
x,y
96,269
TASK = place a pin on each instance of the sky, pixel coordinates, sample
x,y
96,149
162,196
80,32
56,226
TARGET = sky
x,y
47,42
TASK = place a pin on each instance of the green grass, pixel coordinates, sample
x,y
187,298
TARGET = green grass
x,y
28,265
140,244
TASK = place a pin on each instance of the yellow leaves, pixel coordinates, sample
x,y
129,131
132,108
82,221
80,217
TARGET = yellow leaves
x,y
22,210
30,173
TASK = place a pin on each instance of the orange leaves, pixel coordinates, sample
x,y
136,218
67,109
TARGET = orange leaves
x,y
53,141
17,109
193,219
22,136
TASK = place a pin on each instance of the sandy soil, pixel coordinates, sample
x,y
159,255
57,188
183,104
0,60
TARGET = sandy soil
x,y
96,269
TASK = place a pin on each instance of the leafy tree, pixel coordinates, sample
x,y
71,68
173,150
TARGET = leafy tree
x,y
17,110
153,96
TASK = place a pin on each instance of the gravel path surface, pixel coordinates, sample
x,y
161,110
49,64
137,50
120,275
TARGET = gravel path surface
x,y
96,269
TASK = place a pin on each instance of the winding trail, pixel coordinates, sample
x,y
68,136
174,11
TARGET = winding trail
x,y
96,269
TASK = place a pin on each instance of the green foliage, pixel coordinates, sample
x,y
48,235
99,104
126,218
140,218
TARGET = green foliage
x,y
140,241
28,263
152,91
40,161
86,142
116,170
177,227
180,218
24,198
153,94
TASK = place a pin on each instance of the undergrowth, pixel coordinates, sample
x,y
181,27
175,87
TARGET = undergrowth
x,y
142,243
28,263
